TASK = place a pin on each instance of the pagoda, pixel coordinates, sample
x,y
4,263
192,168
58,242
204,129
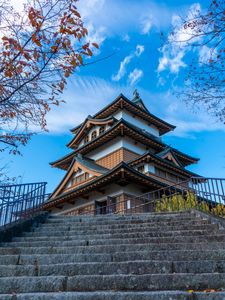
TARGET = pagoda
x,y
117,154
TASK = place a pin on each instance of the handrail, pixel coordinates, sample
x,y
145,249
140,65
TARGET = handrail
x,y
19,201
202,193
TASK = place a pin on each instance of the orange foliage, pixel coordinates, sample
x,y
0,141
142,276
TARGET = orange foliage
x,y
40,49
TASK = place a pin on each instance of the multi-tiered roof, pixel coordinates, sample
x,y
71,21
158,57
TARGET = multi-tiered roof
x,y
120,145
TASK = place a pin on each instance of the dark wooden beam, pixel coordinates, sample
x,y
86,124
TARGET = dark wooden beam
x,y
122,182
101,191
59,206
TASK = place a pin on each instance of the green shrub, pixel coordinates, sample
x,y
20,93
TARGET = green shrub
x,y
219,210
178,202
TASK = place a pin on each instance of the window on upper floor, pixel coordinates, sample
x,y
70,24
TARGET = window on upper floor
x,y
94,135
80,178
160,172
102,129
86,139
141,169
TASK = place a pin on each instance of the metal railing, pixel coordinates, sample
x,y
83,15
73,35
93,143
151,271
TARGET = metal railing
x,y
205,194
19,201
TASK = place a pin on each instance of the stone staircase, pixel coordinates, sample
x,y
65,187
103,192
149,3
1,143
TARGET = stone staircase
x,y
141,257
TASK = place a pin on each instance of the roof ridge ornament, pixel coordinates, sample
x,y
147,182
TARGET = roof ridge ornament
x,y
136,96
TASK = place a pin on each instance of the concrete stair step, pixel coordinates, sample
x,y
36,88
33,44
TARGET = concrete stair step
x,y
126,216
123,219
156,256
101,230
87,247
85,283
128,224
106,268
133,240
115,295
171,255
98,249
133,233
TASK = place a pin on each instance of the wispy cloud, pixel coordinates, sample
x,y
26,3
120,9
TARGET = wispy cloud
x,y
172,63
187,121
122,70
125,62
135,76
140,17
86,95
146,25
139,50
173,52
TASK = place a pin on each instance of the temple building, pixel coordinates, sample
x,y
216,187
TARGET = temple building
x,y
117,154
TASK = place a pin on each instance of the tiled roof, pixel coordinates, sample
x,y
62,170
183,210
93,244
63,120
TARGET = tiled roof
x,y
90,164
135,104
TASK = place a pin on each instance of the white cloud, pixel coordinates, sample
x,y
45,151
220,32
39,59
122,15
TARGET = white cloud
x,y
206,53
173,63
96,35
126,38
146,25
174,110
110,15
18,5
139,50
124,63
174,51
182,34
84,95
122,70
135,76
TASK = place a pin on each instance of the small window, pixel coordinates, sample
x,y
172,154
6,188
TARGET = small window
x,y
94,135
128,204
102,129
86,139
141,169
160,173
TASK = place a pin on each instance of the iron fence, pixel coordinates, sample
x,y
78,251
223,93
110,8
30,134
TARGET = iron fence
x,y
205,194
18,201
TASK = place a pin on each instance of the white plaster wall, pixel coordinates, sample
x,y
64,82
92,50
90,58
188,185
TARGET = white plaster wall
x,y
136,121
95,128
116,144
107,148
137,148
111,191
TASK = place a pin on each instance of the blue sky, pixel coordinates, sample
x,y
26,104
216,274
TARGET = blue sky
x,y
130,30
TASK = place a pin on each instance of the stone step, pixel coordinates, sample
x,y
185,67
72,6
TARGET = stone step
x,y
165,295
137,233
106,268
121,282
170,255
113,246
122,220
36,241
127,224
115,295
98,249
126,216
101,230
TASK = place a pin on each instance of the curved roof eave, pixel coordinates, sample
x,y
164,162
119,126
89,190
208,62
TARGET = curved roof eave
x,y
172,127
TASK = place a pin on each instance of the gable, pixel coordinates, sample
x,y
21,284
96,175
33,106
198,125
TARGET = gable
x,y
172,158
88,128
122,102
76,175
